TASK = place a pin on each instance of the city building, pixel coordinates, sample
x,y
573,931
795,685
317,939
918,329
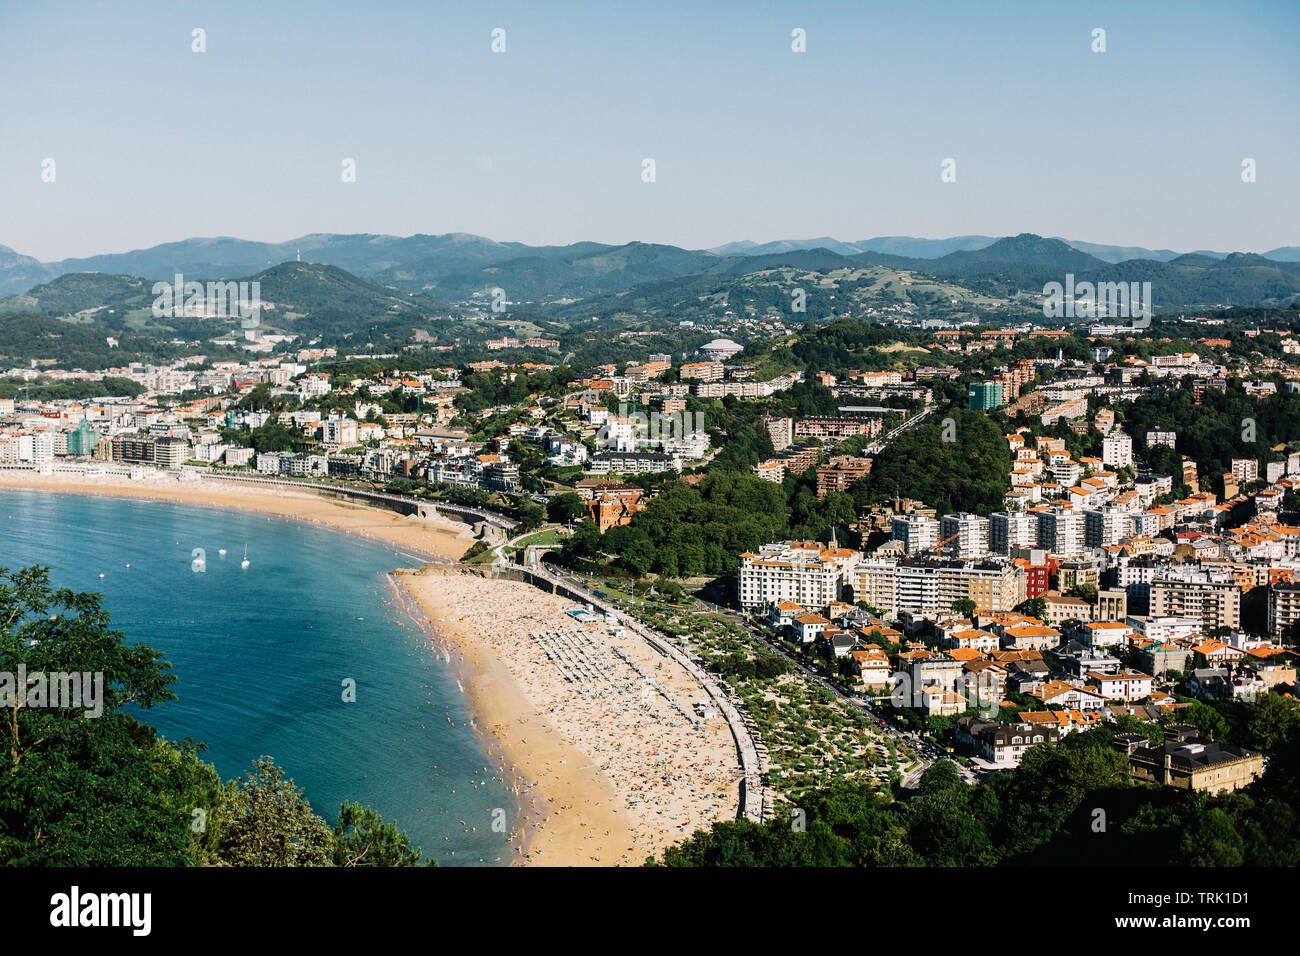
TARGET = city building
x,y
932,586
1061,531
171,451
840,472
81,441
1283,609
719,350
964,535
1117,450
794,459
1106,525
830,429
701,372
917,532
610,503
1189,762
808,573
983,396
1245,470
1213,600
1002,745
631,462
1010,530
780,430
133,449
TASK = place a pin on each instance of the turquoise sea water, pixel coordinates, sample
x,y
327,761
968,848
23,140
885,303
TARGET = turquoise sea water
x,y
261,655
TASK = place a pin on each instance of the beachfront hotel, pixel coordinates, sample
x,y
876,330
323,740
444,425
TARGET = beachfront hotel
x,y
806,572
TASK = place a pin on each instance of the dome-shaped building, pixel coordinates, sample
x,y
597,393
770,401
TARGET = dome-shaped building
x,y
719,350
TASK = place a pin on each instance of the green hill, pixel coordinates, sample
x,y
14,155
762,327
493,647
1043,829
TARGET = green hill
x,y
54,343
82,291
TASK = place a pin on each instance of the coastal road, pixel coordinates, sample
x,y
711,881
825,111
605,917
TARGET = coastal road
x,y
394,502
926,752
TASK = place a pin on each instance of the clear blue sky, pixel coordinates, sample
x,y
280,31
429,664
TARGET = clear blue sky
x,y
543,144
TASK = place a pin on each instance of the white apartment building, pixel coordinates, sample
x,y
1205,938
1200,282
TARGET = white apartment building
x,y
1009,530
808,573
1067,471
339,432
1245,469
1106,633
1061,532
313,386
687,447
917,532
780,430
965,535
1106,526
36,447
1117,450
1164,629
931,587
1283,607
170,451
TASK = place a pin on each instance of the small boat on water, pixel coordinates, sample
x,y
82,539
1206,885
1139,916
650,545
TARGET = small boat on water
x,y
244,563
221,551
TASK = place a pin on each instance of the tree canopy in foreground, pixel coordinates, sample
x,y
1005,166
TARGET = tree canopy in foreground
x,y
107,790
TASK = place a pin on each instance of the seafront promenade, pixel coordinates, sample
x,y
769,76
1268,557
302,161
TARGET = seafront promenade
x,y
400,503
752,803
489,523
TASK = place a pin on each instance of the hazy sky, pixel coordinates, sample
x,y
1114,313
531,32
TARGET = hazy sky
x,y
544,143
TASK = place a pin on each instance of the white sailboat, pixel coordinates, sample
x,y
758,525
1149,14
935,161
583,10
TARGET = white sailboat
x,y
244,563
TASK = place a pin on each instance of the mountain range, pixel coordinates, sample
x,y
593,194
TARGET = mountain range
x,y
909,246
420,260
459,267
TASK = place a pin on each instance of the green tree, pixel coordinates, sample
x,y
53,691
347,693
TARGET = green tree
x,y
941,775
77,789
1086,592
530,515
564,508
363,838
268,823
1212,840
1034,607
1271,722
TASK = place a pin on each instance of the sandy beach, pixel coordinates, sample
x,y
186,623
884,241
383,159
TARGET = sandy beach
x,y
427,537
609,767
597,731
